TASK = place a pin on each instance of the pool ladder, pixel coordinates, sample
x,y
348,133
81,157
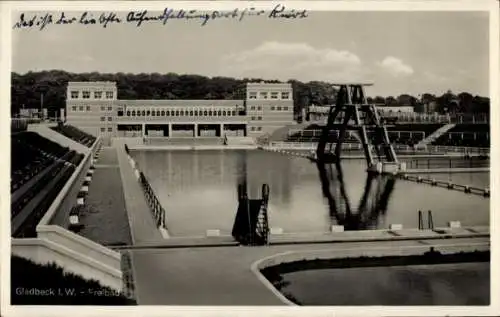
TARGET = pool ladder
x,y
430,221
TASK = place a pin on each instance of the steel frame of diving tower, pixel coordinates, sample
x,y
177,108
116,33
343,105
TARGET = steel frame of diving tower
x,y
351,101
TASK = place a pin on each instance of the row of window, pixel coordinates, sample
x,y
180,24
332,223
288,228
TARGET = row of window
x,y
256,129
273,108
75,94
272,95
256,118
104,129
104,119
177,113
87,108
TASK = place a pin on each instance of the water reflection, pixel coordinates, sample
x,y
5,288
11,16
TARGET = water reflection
x,y
373,202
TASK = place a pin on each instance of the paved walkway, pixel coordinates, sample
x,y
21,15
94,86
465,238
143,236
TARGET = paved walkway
x,y
106,218
223,275
142,224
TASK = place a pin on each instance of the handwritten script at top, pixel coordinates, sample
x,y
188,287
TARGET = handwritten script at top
x,y
139,18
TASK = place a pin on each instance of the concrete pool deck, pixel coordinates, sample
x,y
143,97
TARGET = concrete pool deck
x,y
106,218
382,235
230,275
142,225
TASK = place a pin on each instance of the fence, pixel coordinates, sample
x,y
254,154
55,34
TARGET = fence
x,y
158,211
446,163
485,192
320,114
153,203
351,134
405,149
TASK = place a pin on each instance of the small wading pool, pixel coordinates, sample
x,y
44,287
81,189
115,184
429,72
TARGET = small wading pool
x,y
455,282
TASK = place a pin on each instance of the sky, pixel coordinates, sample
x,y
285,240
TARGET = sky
x,y
400,52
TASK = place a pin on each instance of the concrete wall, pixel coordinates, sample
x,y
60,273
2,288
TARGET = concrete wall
x,y
43,251
58,212
80,245
54,136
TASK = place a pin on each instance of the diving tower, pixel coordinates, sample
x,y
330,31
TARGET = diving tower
x,y
356,114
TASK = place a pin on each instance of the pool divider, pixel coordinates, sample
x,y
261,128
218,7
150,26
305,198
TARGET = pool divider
x,y
158,212
485,192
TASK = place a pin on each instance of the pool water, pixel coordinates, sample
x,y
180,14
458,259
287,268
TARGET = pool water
x,y
198,190
437,284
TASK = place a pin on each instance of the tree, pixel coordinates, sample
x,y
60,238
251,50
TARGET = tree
x,y
391,101
466,102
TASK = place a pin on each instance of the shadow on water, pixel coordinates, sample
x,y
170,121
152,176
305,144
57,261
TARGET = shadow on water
x,y
373,202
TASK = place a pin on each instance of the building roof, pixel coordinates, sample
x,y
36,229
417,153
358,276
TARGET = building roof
x,y
91,83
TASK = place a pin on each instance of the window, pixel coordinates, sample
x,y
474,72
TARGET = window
x,y
97,94
274,95
109,118
210,113
259,118
80,108
252,95
252,108
110,108
163,113
191,113
285,95
109,95
176,113
279,108
143,113
168,113
148,113
196,113
110,129
73,108
285,108
86,94
259,108
273,108
88,108
205,113
263,95
74,94
259,128
103,129
219,113
157,113
103,118
103,108
182,113
253,118
133,113
128,113
138,113
153,113
252,128
224,113
233,113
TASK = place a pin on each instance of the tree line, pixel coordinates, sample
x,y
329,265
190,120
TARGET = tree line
x,y
28,90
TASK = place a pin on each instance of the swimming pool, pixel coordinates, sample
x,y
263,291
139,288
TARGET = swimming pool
x,y
198,190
